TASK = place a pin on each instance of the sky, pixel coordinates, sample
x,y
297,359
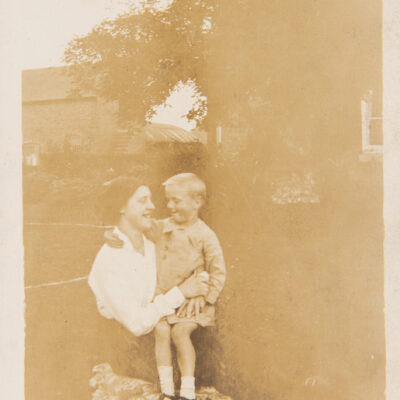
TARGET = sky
x,y
48,26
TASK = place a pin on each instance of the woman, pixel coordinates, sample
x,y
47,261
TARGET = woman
x,y
124,280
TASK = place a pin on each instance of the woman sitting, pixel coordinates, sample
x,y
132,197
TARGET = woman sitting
x,y
124,280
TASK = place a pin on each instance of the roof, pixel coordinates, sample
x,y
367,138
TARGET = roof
x,y
53,83
160,133
156,133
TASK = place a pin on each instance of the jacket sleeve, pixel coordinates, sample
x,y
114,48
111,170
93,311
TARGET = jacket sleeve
x,y
215,265
119,297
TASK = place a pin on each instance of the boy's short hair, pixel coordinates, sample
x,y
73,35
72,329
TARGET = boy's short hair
x,y
195,186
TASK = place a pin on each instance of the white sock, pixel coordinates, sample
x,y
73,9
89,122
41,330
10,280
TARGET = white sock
x,y
187,387
166,380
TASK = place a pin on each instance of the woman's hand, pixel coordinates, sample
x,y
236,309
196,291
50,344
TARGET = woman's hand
x,y
113,240
194,286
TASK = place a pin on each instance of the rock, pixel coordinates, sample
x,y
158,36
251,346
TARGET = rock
x,y
109,386
210,393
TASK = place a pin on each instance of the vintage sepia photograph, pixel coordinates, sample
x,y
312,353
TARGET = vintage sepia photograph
x,y
203,200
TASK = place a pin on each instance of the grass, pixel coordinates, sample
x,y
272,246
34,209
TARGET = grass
x,y
299,318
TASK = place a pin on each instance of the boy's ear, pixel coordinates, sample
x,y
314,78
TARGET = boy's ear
x,y
199,201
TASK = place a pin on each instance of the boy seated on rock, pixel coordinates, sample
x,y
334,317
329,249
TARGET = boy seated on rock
x,y
186,245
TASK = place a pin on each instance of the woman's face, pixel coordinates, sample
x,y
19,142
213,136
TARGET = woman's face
x,y
139,209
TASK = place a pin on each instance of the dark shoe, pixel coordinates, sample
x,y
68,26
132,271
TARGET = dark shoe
x,y
167,397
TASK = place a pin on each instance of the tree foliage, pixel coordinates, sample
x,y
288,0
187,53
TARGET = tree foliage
x,y
139,57
231,50
271,67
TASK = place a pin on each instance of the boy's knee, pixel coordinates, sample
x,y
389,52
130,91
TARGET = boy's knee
x,y
181,332
162,330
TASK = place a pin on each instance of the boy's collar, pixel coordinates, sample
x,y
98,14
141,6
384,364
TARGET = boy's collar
x,y
170,226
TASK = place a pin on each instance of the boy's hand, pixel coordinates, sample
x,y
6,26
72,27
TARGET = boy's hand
x,y
195,306
182,309
113,240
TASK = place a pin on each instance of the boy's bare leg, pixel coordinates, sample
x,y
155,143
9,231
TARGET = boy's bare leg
x,y
162,334
186,356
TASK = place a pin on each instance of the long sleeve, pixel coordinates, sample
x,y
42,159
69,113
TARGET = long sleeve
x,y
120,293
215,265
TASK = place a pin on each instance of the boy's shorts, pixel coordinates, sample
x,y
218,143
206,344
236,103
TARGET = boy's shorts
x,y
205,318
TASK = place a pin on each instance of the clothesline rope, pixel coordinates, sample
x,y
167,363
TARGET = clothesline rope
x,y
81,278
66,224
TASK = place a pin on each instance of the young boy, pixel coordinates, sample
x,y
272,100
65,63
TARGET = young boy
x,y
186,245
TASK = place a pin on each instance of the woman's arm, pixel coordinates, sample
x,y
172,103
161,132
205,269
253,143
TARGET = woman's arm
x,y
119,296
141,319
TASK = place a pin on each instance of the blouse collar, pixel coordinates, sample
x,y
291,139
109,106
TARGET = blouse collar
x,y
127,241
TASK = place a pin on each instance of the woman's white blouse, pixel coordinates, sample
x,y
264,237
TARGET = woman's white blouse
x,y
124,282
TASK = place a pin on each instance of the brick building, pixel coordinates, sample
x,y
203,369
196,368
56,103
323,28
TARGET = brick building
x,y
54,119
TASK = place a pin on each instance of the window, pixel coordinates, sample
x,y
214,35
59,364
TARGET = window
x,y
31,152
371,130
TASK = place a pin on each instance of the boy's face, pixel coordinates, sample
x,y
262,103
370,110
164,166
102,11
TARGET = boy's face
x,y
181,205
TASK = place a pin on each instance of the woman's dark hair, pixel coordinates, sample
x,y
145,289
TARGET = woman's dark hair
x,y
114,196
